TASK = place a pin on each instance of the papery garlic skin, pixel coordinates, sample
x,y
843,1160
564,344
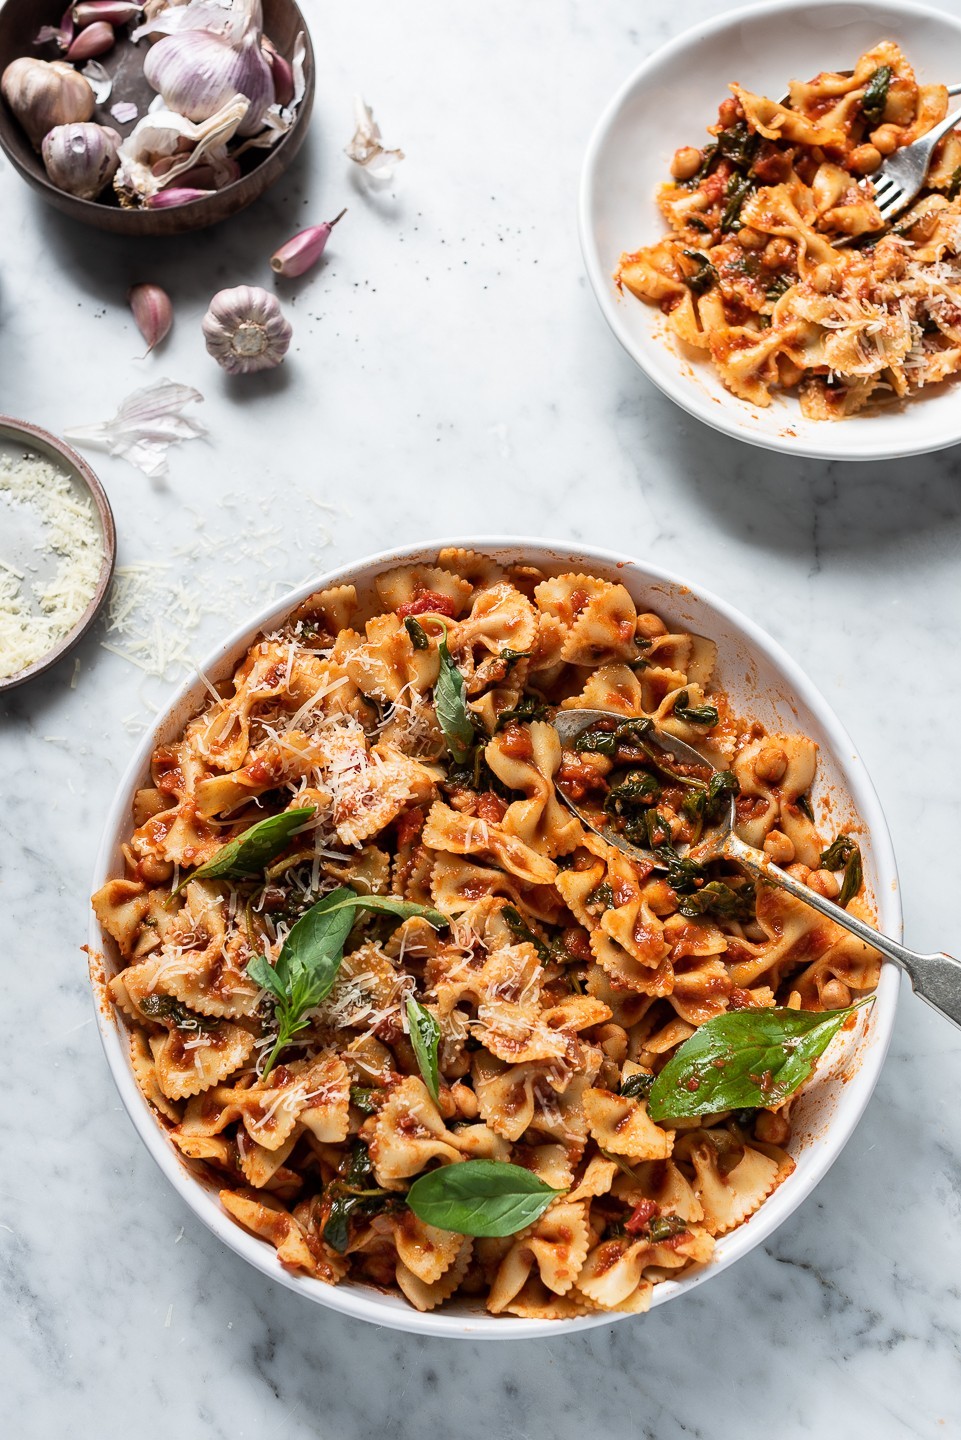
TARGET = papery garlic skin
x,y
153,312
44,93
245,330
81,158
197,72
163,136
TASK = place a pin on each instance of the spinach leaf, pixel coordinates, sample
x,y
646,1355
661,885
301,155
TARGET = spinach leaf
x,y
708,803
745,1058
717,898
165,1007
490,1198
638,788
710,154
417,633
363,1097
658,831
637,1086
779,286
875,94
247,855
602,896
527,708
683,876
451,706
520,929
311,955
700,715
703,277
954,184
424,1039
607,742
739,144
844,854
803,803
352,1195
663,1227
739,188
512,657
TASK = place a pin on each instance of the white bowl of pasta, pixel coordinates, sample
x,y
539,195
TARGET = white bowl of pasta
x,y
499,1007
743,270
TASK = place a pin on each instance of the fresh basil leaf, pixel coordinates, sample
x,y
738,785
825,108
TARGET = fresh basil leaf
x,y
424,1039
744,1059
311,956
489,1198
451,706
875,95
700,715
250,852
417,633
637,1086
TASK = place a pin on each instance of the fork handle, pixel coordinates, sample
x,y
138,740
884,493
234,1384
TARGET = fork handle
x,y
934,978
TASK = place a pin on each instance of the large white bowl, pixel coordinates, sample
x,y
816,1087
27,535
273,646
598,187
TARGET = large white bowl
x,y
762,681
668,102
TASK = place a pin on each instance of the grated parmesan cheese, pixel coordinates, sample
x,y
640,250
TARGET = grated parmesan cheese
x,y
35,617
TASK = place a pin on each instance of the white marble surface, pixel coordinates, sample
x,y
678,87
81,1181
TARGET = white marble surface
x,y
450,372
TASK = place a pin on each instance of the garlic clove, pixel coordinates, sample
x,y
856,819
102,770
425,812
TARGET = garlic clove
x,y
282,73
304,250
81,158
161,135
169,199
152,311
44,93
245,330
115,12
96,39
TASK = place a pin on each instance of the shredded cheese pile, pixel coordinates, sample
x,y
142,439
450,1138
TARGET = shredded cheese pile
x,y
35,616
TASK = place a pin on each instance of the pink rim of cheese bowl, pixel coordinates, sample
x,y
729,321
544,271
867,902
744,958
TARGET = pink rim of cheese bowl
x,y
763,681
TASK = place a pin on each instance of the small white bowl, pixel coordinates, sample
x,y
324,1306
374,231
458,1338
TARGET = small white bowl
x,y
669,101
762,681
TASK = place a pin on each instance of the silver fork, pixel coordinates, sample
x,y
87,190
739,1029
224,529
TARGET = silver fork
x,y
900,177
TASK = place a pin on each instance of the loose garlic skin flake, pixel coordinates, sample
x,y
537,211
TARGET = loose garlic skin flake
x,y
245,330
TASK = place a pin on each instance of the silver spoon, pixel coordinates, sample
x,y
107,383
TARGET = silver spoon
x,y
934,978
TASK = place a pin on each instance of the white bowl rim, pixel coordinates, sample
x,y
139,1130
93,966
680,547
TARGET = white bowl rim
x,y
362,1302
674,385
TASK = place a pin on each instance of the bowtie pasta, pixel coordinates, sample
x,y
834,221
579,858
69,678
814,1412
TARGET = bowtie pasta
x,y
779,266
556,974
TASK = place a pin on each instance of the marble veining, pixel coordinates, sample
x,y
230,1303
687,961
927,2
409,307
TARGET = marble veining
x,y
450,373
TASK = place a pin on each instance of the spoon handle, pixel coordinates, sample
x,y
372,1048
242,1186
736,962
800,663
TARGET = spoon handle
x,y
934,978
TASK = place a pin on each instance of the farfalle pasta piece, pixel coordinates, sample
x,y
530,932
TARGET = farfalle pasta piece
x,y
145,1071
612,1276
187,1063
731,1197
601,618
457,834
260,1164
526,758
121,906
622,1125
330,610
425,1296
557,1245
406,1133
410,584
426,1251
270,1221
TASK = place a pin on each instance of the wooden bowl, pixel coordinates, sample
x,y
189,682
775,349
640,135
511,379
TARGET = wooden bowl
x,y
19,22
17,436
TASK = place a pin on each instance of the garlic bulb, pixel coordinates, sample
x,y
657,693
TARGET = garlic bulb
x,y
245,330
81,158
44,93
197,71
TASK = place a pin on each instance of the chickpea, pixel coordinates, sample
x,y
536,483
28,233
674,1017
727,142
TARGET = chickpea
x,y
835,995
729,112
886,139
778,252
465,1100
613,1041
779,847
650,626
823,279
446,1103
799,872
749,239
772,1129
825,883
770,763
864,159
155,872
686,162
